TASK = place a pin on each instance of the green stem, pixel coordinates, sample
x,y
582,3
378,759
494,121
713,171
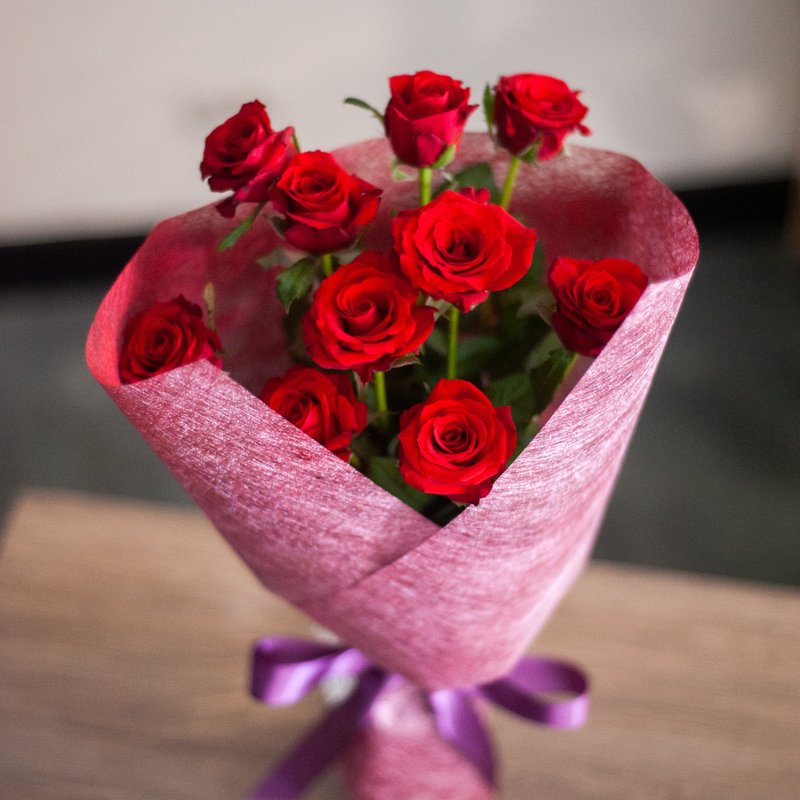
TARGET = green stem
x,y
425,178
508,186
573,361
381,402
327,264
452,343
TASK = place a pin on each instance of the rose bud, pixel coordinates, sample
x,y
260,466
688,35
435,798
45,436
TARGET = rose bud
x,y
246,155
322,405
364,317
324,206
592,298
528,108
426,114
455,443
166,336
459,247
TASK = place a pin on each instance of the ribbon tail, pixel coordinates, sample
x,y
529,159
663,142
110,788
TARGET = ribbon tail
x,y
460,725
323,745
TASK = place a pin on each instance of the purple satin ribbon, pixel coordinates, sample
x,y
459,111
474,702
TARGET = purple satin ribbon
x,y
286,669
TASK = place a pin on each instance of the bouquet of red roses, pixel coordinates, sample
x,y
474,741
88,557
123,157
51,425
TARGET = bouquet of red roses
x,y
400,379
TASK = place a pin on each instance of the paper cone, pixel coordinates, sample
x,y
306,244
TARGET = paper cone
x,y
447,606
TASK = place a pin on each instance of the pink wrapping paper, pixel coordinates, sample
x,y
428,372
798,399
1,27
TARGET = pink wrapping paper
x,y
447,606
400,754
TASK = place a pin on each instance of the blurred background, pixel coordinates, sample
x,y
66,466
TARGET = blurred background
x,y
105,108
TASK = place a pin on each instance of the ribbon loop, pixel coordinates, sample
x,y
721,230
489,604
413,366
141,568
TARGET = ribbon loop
x,y
286,669
518,692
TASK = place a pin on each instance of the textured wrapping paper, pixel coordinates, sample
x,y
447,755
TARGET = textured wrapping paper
x,y
449,606
400,754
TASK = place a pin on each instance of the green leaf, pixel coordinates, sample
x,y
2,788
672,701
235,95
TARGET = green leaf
x,y
548,376
532,292
488,106
276,258
477,353
537,301
529,156
399,175
515,390
531,281
506,391
386,473
536,271
445,158
296,142
441,510
547,345
296,281
354,101
477,176
409,359
239,231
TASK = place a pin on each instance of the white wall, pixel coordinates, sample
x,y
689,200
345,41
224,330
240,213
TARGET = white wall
x,y
106,104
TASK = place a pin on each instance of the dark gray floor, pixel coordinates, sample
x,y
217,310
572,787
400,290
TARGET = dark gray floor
x,y
712,480
711,483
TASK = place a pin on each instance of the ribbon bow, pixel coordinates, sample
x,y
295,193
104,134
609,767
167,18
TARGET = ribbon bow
x,y
286,669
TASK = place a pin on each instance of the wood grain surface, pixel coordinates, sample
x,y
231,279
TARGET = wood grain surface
x,y
125,631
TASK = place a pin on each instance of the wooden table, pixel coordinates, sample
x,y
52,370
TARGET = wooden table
x,y
125,631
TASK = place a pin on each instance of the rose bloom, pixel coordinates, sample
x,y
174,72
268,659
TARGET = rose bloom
x,y
426,114
592,300
246,155
527,107
459,247
455,443
364,317
322,405
324,206
166,336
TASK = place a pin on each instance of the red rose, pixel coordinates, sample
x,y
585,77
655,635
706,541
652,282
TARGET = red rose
x,y
364,317
323,205
459,248
246,155
527,107
426,114
166,336
455,443
322,405
592,299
